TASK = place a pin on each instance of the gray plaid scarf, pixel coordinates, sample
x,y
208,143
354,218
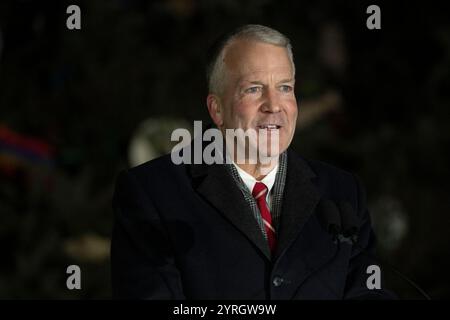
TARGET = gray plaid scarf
x,y
277,193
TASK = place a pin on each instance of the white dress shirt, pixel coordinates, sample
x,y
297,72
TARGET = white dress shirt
x,y
250,181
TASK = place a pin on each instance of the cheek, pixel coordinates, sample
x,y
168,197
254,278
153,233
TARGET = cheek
x,y
292,111
243,111
295,114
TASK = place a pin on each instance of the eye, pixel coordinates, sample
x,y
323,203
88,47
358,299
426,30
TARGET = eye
x,y
286,88
252,90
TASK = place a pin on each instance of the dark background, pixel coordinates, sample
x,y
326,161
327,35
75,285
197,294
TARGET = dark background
x,y
72,102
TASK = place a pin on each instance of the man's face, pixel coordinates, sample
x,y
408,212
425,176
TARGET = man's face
x,y
258,91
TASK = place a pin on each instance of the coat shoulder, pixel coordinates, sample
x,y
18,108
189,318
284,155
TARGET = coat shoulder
x,y
155,165
327,170
160,171
320,169
332,181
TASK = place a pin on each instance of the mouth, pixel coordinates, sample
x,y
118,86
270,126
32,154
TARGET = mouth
x,y
269,126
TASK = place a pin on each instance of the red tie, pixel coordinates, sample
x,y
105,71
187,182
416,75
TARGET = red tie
x,y
259,193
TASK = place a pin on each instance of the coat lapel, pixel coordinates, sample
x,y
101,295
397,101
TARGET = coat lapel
x,y
299,201
217,187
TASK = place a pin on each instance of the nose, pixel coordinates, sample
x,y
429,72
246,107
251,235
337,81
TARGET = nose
x,y
271,103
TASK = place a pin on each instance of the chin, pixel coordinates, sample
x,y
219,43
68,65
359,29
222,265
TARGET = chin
x,y
276,151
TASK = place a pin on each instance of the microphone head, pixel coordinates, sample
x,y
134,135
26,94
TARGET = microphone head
x,y
349,219
329,217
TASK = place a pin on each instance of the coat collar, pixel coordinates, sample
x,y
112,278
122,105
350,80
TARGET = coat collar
x,y
217,187
299,201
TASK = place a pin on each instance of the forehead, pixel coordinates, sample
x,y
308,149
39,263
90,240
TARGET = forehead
x,y
248,58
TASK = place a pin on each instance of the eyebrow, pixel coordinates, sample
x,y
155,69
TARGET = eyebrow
x,y
261,83
286,80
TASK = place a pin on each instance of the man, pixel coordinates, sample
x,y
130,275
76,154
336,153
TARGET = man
x,y
245,229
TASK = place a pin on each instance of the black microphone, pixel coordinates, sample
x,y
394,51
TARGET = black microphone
x,y
340,222
330,218
350,221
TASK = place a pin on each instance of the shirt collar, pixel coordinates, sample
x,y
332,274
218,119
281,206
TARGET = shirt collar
x,y
250,181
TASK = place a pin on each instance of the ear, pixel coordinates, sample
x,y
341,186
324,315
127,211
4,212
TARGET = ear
x,y
215,109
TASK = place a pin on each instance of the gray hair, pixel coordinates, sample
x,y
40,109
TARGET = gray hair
x,y
215,68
